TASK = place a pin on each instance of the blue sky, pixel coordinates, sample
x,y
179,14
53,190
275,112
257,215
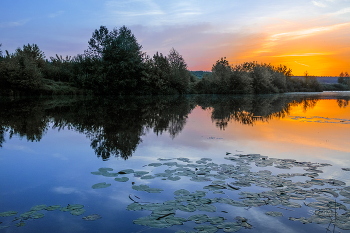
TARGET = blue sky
x,y
302,34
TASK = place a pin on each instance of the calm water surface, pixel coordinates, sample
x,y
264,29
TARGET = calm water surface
x,y
210,147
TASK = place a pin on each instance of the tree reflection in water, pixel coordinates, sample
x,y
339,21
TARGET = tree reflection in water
x,y
115,126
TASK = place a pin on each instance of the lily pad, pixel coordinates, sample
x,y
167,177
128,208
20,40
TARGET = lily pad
x,y
199,218
122,179
52,207
38,207
181,192
75,206
188,208
8,213
126,171
20,224
77,212
230,226
92,217
37,215
155,164
147,177
274,214
206,228
152,221
101,185
207,208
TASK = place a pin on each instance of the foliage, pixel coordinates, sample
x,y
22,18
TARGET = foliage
x,y
344,78
22,70
114,64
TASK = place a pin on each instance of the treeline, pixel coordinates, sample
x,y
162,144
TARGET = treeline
x,y
114,64
253,78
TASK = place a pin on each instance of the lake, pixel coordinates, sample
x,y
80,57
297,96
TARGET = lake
x,y
201,163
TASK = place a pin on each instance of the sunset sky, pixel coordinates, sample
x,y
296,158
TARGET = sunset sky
x,y
312,36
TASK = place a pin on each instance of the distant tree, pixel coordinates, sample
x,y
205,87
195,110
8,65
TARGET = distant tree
x,y
344,78
123,61
222,72
179,75
97,42
22,70
113,63
0,50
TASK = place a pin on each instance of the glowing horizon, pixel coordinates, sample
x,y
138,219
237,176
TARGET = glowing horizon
x,y
310,36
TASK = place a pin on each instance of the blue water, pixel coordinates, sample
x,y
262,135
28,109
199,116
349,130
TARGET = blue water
x,y
56,170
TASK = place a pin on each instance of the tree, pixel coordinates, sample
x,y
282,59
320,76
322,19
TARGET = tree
x,y
0,50
22,70
97,42
341,78
179,75
222,73
123,61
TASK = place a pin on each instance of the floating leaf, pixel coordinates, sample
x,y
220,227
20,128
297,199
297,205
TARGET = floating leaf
x,y
230,226
134,206
274,213
38,207
92,217
105,169
27,214
152,221
206,228
77,212
175,220
199,218
122,179
216,220
188,208
101,185
107,174
181,192
155,164
53,207
207,208
8,213
20,224
37,215
147,177
126,171
174,178
75,206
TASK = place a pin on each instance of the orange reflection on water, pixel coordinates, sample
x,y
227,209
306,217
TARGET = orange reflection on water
x,y
290,137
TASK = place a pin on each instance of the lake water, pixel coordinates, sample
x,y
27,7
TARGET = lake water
x,y
199,164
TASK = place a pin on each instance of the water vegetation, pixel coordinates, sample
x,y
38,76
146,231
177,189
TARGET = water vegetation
x,y
37,212
114,64
207,208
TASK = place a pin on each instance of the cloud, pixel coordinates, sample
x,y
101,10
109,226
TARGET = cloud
x,y
319,4
13,24
54,15
301,64
341,12
307,32
302,55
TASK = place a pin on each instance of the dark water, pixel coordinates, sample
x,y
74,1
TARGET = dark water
x,y
298,142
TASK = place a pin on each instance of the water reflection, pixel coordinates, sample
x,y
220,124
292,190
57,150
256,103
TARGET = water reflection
x,y
116,126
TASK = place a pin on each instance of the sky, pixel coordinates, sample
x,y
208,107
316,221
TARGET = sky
x,y
304,35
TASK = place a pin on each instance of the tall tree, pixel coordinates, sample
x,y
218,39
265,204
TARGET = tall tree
x,y
179,76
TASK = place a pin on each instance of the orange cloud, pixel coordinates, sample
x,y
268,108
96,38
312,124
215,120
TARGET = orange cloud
x,y
322,51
